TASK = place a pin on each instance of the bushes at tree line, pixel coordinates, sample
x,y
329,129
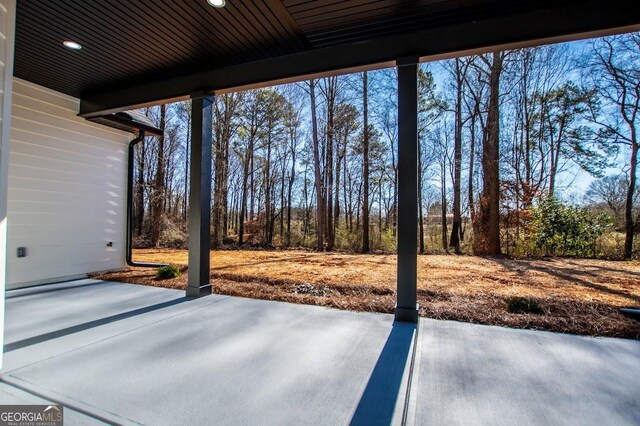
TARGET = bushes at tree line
x,y
564,229
551,228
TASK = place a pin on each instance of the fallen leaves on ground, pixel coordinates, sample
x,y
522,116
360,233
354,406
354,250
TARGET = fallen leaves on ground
x,y
579,296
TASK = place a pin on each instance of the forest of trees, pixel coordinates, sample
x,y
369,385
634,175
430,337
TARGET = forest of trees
x,y
507,141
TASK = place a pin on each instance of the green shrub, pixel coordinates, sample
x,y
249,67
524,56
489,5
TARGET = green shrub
x,y
388,242
564,229
168,271
523,305
349,241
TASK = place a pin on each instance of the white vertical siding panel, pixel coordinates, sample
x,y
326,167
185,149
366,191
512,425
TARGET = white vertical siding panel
x,y
7,36
67,189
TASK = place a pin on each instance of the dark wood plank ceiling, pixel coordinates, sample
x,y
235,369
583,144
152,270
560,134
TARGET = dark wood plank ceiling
x,y
126,43
122,40
330,22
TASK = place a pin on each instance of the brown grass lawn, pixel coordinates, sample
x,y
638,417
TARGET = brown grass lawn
x,y
577,295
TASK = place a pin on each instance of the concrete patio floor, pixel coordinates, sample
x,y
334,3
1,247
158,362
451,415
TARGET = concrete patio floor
x,y
128,354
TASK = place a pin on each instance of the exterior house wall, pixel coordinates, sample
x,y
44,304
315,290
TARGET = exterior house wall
x,y
7,34
67,190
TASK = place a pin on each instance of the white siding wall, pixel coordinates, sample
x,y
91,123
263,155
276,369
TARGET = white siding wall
x,y
7,20
67,189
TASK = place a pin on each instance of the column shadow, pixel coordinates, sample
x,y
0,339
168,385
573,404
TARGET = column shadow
x,y
9,347
379,398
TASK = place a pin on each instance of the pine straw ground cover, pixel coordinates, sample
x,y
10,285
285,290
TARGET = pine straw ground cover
x,y
575,295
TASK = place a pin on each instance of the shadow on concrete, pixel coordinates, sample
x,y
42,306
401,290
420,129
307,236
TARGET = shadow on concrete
x,y
383,389
48,288
90,324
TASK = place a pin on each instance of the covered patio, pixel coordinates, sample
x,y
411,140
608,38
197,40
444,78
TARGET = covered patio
x,y
102,64
129,354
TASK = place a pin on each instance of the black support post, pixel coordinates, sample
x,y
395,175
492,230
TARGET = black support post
x,y
200,197
407,302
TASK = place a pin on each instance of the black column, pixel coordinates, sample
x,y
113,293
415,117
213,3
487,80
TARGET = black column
x,y
200,196
407,302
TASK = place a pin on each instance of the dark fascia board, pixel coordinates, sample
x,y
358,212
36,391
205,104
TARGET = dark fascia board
x,y
138,120
128,122
555,23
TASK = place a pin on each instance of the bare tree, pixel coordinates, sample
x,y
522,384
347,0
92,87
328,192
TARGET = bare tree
x,y
487,239
610,192
320,217
157,200
291,124
253,120
330,89
365,164
139,190
346,125
225,110
615,72
459,71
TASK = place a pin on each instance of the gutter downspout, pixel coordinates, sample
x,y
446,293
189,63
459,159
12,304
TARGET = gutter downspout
x,y
129,236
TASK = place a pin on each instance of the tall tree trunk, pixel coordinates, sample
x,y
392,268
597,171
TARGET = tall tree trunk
x,y
225,189
456,228
553,169
292,178
283,172
347,197
358,207
472,159
185,201
528,118
305,218
331,88
487,242
245,189
140,188
380,211
252,190
394,226
336,204
157,200
231,103
628,209
443,203
320,219
268,229
365,161
218,174
420,200
231,211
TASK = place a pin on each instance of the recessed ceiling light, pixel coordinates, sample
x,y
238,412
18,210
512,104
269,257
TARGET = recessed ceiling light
x,y
72,45
217,3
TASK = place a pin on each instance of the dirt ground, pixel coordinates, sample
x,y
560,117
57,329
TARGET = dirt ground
x,y
577,295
